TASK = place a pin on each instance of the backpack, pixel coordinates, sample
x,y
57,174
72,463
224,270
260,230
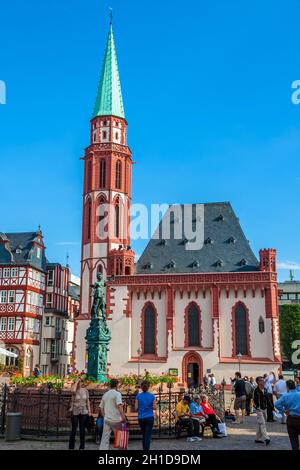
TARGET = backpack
x,y
248,389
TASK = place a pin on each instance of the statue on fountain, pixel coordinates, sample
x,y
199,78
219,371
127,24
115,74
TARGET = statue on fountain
x,y
98,335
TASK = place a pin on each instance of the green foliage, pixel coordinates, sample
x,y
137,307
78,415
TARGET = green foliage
x,y
57,383
21,364
289,329
52,381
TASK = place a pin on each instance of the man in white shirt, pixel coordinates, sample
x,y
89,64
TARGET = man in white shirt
x,y
112,411
269,380
212,381
279,390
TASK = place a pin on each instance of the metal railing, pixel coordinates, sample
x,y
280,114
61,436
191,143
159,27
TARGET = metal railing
x,y
44,410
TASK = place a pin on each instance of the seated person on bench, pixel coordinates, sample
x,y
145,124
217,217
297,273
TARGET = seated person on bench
x,y
210,415
183,415
197,413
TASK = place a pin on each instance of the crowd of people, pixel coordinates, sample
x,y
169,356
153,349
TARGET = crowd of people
x,y
191,415
258,396
194,412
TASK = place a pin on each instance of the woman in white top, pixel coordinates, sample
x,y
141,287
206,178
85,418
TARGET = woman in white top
x,y
80,409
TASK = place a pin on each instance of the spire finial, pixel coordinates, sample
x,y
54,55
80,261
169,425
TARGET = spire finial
x,y
67,259
111,15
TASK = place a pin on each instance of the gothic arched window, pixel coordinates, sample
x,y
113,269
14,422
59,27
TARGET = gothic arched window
x,y
240,318
118,174
261,325
102,225
117,219
102,173
193,326
88,220
149,327
89,176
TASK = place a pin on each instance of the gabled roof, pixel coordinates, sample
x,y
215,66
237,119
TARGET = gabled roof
x,y
222,245
74,292
109,101
19,249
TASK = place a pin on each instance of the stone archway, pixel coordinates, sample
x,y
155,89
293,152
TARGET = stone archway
x,y
192,369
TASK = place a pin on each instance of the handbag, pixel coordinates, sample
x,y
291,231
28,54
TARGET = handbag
x,y
222,429
121,437
69,412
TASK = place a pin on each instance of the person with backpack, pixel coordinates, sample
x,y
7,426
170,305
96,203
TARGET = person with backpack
x,y
145,405
240,398
249,395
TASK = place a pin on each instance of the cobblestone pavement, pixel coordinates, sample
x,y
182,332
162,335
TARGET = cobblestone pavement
x,y
240,436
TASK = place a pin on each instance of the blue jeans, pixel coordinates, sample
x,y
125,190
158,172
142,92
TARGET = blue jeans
x,y
146,426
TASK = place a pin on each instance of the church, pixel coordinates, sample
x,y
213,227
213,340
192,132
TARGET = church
x,y
198,300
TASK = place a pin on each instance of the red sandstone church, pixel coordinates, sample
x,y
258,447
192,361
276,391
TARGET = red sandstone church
x,y
179,307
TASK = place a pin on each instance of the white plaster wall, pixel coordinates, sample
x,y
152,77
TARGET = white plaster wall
x,y
100,250
86,251
80,351
85,279
120,326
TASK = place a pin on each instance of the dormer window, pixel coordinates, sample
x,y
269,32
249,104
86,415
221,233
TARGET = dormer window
x,y
184,241
171,264
208,241
163,242
231,240
220,218
219,263
195,264
243,262
148,266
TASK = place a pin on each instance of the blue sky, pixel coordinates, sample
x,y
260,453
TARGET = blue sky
x,y
207,92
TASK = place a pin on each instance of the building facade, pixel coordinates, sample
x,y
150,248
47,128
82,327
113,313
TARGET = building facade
x,y
38,303
54,358
22,295
212,307
289,292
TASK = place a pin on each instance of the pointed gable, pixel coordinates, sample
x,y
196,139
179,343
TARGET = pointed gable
x,y
109,101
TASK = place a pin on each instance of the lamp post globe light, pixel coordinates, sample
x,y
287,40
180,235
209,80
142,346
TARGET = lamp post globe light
x,y
239,358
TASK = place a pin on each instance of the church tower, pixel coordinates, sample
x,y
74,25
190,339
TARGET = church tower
x,y
106,193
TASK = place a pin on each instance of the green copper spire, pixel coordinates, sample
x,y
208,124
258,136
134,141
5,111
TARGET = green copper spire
x,y
109,100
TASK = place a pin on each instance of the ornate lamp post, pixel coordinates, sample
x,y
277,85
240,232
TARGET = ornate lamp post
x,y
139,352
239,358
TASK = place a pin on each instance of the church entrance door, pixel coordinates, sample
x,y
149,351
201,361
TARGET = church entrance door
x,y
192,375
192,369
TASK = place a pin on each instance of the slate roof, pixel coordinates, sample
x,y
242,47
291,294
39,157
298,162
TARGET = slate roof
x,y
18,249
223,245
74,292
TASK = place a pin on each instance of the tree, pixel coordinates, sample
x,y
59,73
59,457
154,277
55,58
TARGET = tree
x,y
289,329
